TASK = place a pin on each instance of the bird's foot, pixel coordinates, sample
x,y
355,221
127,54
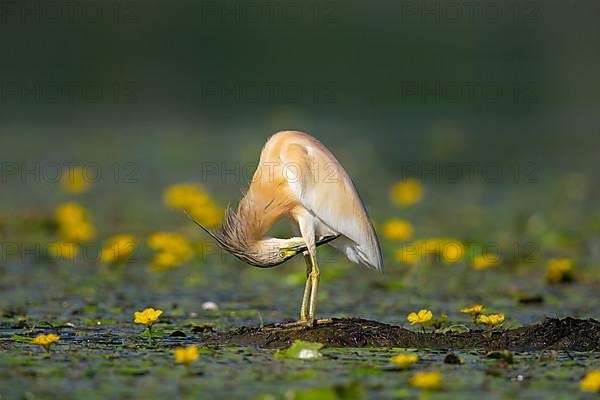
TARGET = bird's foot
x,y
324,321
301,323
307,323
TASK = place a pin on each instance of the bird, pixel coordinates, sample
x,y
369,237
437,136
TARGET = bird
x,y
299,178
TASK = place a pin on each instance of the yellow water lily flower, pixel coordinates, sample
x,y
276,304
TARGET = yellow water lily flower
x,y
404,360
73,223
172,248
196,201
590,382
426,380
445,249
186,355
118,249
208,215
46,340
397,229
491,320
485,261
558,270
419,318
147,317
69,212
81,231
75,181
453,251
474,310
406,192
183,196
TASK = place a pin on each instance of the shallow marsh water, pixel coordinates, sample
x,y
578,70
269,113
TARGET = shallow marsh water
x,y
102,353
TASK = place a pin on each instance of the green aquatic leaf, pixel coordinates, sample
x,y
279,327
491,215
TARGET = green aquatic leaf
x,y
301,349
21,339
351,391
156,332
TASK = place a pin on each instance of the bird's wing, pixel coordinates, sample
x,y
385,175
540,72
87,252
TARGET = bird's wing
x,y
325,189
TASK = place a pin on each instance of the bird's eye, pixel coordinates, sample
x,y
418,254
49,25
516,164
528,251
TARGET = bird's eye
x,y
282,254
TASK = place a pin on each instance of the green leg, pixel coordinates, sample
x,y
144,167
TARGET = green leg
x,y
307,291
314,279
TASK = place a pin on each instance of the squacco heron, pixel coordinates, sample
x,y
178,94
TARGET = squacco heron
x,y
299,178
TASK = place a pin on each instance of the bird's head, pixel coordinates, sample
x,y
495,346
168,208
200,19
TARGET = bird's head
x,y
265,253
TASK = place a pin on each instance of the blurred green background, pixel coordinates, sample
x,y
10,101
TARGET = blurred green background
x,y
157,66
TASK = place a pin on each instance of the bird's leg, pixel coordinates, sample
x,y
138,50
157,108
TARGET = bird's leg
x,y
314,281
307,291
306,224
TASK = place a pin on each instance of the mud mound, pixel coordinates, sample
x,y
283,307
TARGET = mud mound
x,y
564,334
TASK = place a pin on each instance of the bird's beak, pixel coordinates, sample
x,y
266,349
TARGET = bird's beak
x,y
300,247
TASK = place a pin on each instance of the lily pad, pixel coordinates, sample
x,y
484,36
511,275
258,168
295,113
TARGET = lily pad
x,y
302,350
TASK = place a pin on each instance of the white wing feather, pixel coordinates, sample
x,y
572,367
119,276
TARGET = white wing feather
x,y
325,189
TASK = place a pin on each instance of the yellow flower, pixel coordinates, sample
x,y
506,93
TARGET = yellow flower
x,y
208,214
397,229
169,241
173,250
491,320
452,250
164,261
474,310
186,355
485,261
184,196
193,199
77,232
147,317
75,181
406,193
45,340
590,382
65,250
68,212
404,360
558,270
73,223
118,249
419,318
426,380
449,250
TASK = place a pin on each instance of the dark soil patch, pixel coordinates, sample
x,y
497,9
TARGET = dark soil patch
x,y
559,334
